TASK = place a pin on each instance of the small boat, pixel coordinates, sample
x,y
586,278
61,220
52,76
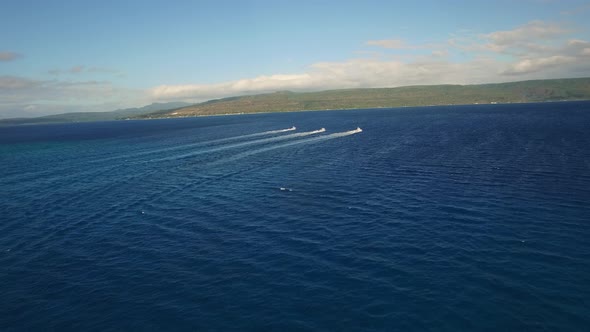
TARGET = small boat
x,y
358,130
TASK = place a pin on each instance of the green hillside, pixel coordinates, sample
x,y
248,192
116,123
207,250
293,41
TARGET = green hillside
x,y
515,92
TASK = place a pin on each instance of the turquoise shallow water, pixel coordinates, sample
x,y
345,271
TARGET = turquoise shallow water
x,y
470,218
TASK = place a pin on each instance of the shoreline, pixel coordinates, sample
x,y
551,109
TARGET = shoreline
x,y
354,109
2,125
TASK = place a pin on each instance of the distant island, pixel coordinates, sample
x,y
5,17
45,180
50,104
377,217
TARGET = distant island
x,y
425,95
287,101
93,116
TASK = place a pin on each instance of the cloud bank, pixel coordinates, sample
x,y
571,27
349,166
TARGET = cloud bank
x,y
535,50
28,97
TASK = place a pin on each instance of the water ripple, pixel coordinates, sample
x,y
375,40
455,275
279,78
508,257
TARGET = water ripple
x,y
428,220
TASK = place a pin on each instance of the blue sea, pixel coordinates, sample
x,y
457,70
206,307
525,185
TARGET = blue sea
x,y
451,218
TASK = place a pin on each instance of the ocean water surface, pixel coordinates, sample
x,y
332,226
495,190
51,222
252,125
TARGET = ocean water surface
x,y
458,218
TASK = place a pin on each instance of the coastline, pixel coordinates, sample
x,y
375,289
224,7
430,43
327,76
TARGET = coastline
x,y
354,109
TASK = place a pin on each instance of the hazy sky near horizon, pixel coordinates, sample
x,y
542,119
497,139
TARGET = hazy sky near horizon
x,y
61,56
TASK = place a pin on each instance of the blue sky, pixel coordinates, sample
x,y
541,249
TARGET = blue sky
x,y
62,56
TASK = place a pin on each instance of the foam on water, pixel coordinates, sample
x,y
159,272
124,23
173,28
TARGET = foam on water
x,y
285,145
198,144
240,145
280,131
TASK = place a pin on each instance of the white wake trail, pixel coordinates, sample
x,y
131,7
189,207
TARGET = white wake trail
x,y
243,144
280,146
203,143
276,131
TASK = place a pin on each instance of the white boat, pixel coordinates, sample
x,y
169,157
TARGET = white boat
x,y
358,130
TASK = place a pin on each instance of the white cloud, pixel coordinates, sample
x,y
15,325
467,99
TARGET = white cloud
x,y
80,69
440,53
534,50
13,83
355,73
534,65
523,35
580,10
536,37
575,46
76,69
257,84
390,43
9,56
53,96
84,69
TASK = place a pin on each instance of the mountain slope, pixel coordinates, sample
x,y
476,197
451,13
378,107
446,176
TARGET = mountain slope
x,y
514,92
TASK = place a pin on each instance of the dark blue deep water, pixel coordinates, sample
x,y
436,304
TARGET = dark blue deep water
x,y
462,218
